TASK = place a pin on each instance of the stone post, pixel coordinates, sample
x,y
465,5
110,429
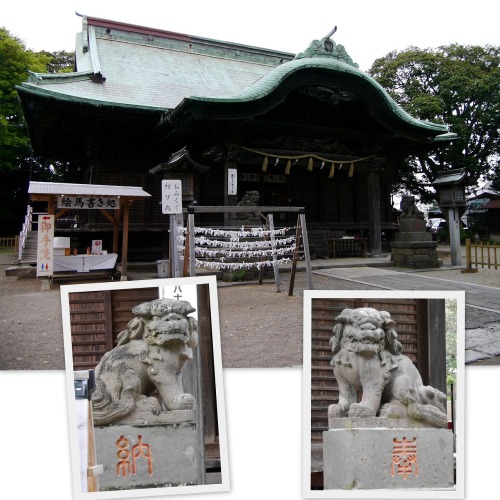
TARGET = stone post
x,y
454,232
386,453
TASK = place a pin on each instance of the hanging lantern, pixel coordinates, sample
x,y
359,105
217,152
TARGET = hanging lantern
x,y
264,164
332,171
351,170
288,167
310,165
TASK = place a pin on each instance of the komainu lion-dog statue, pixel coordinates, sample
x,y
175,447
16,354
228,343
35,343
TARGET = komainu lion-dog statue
x,y
149,357
367,359
409,209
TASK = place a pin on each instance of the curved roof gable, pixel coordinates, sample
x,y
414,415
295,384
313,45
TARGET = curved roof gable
x,y
324,64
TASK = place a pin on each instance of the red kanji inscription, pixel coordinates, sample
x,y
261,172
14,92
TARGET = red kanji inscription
x,y
127,458
404,458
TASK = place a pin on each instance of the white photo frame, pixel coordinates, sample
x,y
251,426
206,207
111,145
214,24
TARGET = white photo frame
x,y
223,484
459,491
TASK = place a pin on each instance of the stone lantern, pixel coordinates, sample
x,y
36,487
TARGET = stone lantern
x,y
181,166
450,185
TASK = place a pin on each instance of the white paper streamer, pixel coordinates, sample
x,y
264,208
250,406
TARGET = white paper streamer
x,y
220,253
239,265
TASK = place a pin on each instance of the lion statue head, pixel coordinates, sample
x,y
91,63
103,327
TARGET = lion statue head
x,y
365,330
161,321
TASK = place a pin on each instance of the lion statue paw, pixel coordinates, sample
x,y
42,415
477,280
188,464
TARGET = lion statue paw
x,y
150,403
337,411
183,402
360,410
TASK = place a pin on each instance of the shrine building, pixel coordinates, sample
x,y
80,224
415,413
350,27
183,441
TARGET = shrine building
x,y
309,130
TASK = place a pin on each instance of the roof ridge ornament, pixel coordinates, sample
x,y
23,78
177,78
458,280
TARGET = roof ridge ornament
x,y
326,47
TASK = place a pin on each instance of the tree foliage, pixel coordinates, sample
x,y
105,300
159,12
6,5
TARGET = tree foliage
x,y
454,85
60,61
17,164
14,62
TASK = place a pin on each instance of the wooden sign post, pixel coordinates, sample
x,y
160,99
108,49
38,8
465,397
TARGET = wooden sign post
x,y
171,204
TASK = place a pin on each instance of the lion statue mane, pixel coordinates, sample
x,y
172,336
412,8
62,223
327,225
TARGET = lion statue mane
x,y
149,358
367,358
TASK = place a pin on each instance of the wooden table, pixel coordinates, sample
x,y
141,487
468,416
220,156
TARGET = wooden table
x,y
83,263
354,247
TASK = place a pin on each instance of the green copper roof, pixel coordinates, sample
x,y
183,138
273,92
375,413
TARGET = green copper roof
x,y
188,78
337,72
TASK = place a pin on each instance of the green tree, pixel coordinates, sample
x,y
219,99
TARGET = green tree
x,y
456,85
17,163
60,61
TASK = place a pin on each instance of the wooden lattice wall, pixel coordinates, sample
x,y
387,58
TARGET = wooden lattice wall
x,y
98,317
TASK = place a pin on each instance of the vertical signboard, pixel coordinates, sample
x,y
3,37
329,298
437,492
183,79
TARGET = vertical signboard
x,y
232,181
171,204
45,249
171,196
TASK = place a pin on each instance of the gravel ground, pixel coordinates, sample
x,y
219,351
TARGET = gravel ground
x,y
251,319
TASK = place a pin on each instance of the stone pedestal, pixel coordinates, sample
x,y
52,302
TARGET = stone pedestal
x,y
413,246
381,453
147,455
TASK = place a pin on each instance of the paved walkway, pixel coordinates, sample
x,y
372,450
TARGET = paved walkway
x,y
482,344
482,297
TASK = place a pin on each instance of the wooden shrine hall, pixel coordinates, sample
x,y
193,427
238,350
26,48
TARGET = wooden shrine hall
x,y
308,130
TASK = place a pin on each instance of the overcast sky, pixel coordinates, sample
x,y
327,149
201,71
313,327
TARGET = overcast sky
x,y
368,29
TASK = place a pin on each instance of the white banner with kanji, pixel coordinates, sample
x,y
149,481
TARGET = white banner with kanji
x,y
89,202
45,249
232,181
171,196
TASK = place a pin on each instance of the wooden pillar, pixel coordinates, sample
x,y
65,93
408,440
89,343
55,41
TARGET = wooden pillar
x,y
116,229
374,212
52,204
191,249
229,200
126,205
437,344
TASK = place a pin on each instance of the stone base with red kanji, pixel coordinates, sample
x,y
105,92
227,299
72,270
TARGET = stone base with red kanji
x,y
382,453
147,456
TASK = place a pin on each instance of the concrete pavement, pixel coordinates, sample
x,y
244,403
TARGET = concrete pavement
x,y
482,343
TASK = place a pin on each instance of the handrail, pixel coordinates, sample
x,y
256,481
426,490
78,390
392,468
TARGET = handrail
x,y
23,235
